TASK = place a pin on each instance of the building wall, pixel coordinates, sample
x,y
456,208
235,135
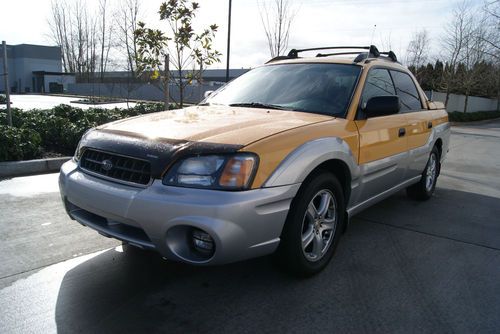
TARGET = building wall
x,y
24,68
11,68
23,59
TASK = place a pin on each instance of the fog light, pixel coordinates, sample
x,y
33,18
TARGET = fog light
x,y
203,242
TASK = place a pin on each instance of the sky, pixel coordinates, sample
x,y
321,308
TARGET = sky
x,y
317,23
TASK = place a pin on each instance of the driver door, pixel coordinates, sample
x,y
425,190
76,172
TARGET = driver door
x,y
383,144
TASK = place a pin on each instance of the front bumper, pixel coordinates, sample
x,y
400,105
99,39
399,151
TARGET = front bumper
x,y
242,224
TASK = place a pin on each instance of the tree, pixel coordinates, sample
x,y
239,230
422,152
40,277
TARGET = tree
x,y
186,50
106,36
277,19
126,21
492,39
492,21
75,31
456,32
417,51
473,56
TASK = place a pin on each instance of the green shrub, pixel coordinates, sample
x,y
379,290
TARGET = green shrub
x,y
146,108
3,99
59,129
457,116
17,117
19,143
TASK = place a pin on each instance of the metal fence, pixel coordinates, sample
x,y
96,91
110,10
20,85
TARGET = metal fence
x,y
192,94
457,102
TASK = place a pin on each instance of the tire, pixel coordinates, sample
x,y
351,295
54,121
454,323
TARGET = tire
x,y
316,216
424,189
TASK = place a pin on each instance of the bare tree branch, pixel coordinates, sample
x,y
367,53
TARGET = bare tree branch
x,y
277,21
418,48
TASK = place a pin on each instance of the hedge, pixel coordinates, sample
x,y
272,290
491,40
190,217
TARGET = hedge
x,y
19,143
458,116
57,130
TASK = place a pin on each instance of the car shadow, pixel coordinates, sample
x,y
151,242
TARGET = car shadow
x,y
109,285
458,215
383,278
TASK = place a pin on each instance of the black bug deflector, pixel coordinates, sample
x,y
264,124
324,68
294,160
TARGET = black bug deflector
x,y
159,152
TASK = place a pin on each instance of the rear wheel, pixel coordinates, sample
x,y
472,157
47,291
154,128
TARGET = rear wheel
x,y
424,189
313,226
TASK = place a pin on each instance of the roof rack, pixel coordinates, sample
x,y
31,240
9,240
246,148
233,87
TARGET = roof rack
x,y
372,53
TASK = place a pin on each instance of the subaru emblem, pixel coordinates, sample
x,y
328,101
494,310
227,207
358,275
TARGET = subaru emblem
x,y
107,164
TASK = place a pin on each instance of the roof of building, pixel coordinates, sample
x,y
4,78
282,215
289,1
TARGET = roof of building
x,y
33,51
43,73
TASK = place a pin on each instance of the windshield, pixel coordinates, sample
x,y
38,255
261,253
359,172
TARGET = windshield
x,y
315,88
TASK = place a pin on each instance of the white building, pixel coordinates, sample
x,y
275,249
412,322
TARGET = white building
x,y
35,69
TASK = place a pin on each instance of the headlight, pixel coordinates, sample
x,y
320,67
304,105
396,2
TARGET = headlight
x,y
229,172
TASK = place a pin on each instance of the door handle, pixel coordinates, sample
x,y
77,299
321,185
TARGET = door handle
x,y
429,125
402,132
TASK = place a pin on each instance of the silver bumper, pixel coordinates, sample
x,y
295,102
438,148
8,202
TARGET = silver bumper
x,y
243,224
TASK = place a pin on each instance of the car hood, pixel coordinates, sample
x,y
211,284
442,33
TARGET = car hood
x,y
212,124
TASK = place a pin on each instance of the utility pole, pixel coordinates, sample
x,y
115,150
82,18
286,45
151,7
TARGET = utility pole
x,y
166,89
6,80
200,82
228,41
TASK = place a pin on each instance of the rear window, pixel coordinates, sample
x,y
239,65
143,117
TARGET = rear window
x,y
315,88
407,91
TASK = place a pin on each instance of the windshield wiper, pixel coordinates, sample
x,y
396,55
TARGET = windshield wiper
x,y
210,104
259,105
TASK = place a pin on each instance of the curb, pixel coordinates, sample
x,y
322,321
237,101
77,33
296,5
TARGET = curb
x,y
30,167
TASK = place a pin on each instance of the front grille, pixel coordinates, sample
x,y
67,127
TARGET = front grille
x,y
127,169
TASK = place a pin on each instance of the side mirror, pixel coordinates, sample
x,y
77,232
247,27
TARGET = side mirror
x,y
208,93
382,106
433,105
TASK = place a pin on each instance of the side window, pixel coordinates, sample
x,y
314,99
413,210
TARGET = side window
x,y
378,83
407,92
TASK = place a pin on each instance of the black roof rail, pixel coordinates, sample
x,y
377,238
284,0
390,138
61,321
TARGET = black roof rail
x,y
294,53
391,55
338,54
372,52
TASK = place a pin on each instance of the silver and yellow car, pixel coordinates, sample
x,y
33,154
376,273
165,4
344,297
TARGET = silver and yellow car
x,y
276,161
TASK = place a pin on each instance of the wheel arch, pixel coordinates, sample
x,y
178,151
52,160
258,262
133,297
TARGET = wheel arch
x,y
331,154
341,171
439,145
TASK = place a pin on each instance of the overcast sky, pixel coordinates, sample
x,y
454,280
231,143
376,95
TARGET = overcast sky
x,y
317,23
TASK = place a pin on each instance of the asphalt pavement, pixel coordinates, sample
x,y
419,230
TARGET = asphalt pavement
x,y
403,266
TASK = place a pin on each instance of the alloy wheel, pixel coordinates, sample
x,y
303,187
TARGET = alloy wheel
x,y
319,225
431,172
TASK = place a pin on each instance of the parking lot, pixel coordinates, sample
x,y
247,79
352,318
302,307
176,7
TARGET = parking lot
x,y
36,101
403,266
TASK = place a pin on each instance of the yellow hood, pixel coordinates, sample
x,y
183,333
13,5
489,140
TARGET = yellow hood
x,y
214,124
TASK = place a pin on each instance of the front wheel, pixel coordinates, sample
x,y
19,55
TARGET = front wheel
x,y
313,226
424,189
